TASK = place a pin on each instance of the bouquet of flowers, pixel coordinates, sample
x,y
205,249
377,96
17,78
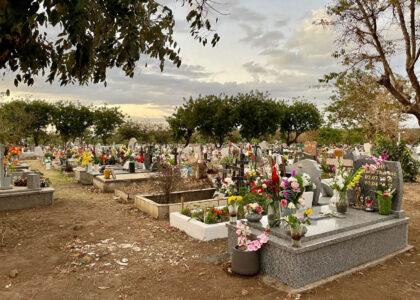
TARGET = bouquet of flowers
x,y
244,242
254,208
344,181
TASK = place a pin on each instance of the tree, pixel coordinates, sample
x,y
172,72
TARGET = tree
x,y
128,130
215,117
72,120
183,122
298,118
41,116
14,121
95,35
105,121
360,102
257,114
373,34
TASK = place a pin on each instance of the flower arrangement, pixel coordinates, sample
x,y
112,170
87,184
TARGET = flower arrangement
x,y
291,190
213,215
243,233
296,220
86,158
253,208
234,200
344,181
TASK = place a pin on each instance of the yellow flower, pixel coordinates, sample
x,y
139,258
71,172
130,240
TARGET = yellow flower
x,y
309,212
234,199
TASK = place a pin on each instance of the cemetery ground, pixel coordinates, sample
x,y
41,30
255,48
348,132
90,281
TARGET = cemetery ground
x,y
89,246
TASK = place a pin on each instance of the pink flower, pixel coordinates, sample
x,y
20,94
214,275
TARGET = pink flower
x,y
283,184
295,186
263,238
301,201
253,245
283,203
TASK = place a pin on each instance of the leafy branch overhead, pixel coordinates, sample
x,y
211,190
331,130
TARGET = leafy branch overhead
x,y
372,35
79,41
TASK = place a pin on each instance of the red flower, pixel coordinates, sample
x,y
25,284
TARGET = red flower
x,y
274,176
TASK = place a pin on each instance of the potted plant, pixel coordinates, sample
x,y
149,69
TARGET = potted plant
x,y
296,224
253,212
246,255
384,199
344,181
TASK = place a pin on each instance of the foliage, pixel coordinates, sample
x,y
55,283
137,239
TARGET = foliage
x,y
72,119
93,37
215,116
360,102
299,117
105,121
23,118
363,28
183,122
257,114
398,152
330,136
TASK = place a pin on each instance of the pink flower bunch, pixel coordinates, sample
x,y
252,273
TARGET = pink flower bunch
x,y
243,231
370,168
295,187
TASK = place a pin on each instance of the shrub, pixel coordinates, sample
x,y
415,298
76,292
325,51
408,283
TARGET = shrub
x,y
398,152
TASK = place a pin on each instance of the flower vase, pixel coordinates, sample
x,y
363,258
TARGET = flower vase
x,y
296,233
233,212
273,214
384,204
342,202
285,211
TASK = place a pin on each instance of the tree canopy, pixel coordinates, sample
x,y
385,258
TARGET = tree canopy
x,y
299,117
360,102
79,41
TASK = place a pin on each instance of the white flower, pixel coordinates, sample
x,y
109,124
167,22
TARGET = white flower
x,y
306,179
264,186
291,179
291,205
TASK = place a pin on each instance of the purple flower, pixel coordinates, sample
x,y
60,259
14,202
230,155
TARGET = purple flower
x,y
293,173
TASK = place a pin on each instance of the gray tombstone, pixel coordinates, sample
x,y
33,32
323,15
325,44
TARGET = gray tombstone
x,y
369,182
34,181
312,169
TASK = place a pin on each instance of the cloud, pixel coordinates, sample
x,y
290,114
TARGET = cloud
x,y
242,13
258,38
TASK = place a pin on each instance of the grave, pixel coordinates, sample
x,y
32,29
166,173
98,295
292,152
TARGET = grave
x,y
123,179
330,247
12,197
154,205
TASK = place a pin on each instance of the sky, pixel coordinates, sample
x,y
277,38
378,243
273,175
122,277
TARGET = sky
x,y
270,45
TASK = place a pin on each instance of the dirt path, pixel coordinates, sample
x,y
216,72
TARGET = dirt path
x,y
88,246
